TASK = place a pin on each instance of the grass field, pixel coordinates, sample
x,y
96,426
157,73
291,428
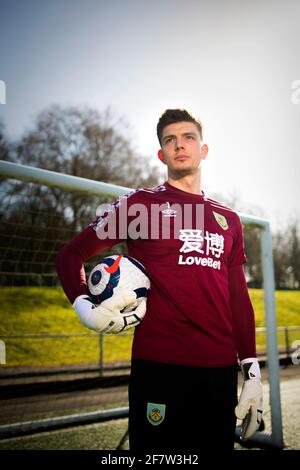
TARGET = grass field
x,y
40,310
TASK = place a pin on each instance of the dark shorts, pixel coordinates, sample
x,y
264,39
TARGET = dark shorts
x,y
178,408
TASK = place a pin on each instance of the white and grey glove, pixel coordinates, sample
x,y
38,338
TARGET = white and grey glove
x,y
250,405
110,317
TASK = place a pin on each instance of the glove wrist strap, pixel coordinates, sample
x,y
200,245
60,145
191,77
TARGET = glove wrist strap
x,y
84,297
250,369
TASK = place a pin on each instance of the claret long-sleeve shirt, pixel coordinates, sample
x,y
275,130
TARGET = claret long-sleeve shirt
x,y
198,311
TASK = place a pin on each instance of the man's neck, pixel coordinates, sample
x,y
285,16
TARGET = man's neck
x,y
189,183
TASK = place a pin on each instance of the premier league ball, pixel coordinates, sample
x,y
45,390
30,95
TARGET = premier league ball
x,y
115,275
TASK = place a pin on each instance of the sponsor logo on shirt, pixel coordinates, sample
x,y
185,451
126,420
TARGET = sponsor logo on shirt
x,y
193,241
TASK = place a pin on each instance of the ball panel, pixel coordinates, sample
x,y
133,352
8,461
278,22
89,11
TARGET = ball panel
x,y
116,274
108,279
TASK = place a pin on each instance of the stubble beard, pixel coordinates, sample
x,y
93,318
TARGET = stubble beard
x,y
181,173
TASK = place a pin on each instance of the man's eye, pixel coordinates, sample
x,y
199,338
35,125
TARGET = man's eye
x,y
190,137
169,139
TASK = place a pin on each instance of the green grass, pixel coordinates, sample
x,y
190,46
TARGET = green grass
x,y
287,311
287,307
36,310
40,310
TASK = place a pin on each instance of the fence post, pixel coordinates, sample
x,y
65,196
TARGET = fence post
x,y
2,352
287,342
101,353
272,346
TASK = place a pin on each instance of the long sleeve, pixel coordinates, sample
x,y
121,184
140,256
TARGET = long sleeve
x,y
243,320
70,261
106,231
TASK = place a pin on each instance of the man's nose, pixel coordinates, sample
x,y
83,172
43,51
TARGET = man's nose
x,y
179,144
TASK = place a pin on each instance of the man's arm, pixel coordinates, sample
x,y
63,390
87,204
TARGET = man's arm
x,y
243,321
250,405
91,241
71,258
106,317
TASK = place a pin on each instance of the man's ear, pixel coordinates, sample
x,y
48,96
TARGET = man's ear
x,y
204,151
160,155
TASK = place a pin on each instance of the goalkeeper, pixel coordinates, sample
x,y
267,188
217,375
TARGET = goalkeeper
x,y
198,321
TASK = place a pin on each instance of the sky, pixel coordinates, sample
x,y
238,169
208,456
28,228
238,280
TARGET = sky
x,y
233,64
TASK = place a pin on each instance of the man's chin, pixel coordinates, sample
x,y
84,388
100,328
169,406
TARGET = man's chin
x,y
178,174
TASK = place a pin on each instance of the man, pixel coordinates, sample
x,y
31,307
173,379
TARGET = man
x,y
199,317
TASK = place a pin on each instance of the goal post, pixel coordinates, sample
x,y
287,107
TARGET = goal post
x,y
82,185
276,437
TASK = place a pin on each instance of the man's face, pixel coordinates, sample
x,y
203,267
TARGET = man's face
x,y
181,148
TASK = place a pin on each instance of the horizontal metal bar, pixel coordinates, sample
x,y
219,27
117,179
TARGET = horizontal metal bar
x,y
52,178
55,335
254,220
84,185
261,329
259,438
30,427
61,335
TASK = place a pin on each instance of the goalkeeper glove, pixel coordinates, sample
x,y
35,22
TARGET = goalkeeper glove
x,y
109,317
250,405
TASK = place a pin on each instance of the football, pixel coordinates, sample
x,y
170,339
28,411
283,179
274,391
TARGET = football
x,y
114,276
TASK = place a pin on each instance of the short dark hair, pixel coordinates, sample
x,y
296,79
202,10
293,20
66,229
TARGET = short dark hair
x,y
170,116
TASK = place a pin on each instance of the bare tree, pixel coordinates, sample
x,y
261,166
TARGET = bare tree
x,y
281,260
75,141
83,142
286,250
4,145
294,255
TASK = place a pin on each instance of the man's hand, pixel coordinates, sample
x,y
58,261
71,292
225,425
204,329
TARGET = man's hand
x,y
250,405
108,317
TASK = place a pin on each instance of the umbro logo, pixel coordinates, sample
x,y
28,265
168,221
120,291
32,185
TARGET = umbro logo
x,y
169,212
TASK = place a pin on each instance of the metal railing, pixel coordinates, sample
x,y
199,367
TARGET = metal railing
x,y
284,350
